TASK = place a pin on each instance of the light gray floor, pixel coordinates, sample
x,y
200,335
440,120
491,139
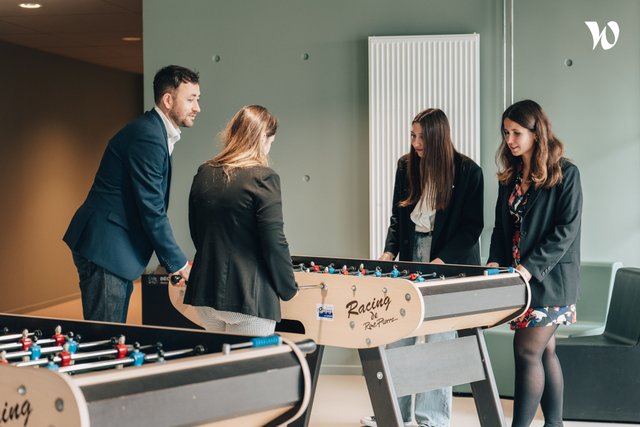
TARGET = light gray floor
x,y
342,399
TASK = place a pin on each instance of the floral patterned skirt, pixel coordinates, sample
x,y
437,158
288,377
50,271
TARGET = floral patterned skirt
x,y
545,316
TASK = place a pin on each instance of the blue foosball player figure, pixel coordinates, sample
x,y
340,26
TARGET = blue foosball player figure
x,y
137,355
52,364
72,343
36,350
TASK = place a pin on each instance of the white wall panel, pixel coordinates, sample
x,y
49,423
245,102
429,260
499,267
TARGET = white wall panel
x,y
406,75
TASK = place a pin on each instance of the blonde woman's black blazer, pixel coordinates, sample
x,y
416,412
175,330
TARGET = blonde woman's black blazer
x,y
549,238
242,262
457,228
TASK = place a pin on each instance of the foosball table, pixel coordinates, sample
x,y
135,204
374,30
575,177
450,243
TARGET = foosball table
x,y
368,304
63,373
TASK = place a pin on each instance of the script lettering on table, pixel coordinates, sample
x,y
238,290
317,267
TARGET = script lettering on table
x,y
374,308
356,309
378,322
14,412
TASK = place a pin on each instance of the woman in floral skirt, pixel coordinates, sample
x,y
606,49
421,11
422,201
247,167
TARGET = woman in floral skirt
x,y
537,231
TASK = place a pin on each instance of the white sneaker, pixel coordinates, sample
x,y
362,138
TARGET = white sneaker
x,y
370,421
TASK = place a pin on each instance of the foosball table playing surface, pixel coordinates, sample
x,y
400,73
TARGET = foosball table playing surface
x,y
64,373
369,304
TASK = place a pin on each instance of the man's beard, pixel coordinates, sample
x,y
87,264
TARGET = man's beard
x,y
180,122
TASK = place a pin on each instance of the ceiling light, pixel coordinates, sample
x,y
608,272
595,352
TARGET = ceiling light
x,y
30,5
131,39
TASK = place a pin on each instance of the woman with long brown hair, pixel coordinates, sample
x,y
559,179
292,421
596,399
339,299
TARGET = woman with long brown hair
x,y
242,267
537,231
437,217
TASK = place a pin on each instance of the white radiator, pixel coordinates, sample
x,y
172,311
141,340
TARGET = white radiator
x,y
406,75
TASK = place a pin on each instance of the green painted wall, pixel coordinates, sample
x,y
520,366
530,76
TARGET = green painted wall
x,y
594,106
322,102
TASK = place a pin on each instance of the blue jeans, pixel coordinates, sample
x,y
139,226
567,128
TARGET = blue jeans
x,y
432,408
105,296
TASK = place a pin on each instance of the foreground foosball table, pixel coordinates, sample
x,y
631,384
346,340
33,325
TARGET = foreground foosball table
x,y
63,373
367,304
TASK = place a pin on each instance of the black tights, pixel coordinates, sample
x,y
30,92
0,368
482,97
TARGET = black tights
x,y
538,377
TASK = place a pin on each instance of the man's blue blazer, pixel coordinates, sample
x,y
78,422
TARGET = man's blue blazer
x,y
124,218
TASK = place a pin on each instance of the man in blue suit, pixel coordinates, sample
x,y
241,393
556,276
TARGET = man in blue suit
x,y
124,218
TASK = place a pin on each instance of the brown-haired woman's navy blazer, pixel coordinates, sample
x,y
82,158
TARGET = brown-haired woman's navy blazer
x,y
549,238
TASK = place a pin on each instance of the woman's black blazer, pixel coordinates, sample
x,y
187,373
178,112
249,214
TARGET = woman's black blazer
x,y
242,262
457,228
549,238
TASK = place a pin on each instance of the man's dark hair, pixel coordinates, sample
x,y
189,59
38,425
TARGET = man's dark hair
x,y
170,77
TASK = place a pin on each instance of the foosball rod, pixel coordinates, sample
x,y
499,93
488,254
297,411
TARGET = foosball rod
x,y
59,348
13,337
50,341
498,270
253,342
361,271
14,345
129,360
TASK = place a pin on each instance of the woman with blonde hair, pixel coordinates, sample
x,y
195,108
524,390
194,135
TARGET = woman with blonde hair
x,y
242,267
537,231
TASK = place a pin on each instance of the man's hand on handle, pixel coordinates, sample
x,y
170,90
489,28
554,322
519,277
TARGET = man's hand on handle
x,y
181,277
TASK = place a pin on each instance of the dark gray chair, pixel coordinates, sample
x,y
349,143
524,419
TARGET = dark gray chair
x,y
602,372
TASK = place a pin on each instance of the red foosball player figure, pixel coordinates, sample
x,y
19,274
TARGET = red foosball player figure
x,y
57,335
3,358
25,340
65,356
315,267
121,348
362,271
